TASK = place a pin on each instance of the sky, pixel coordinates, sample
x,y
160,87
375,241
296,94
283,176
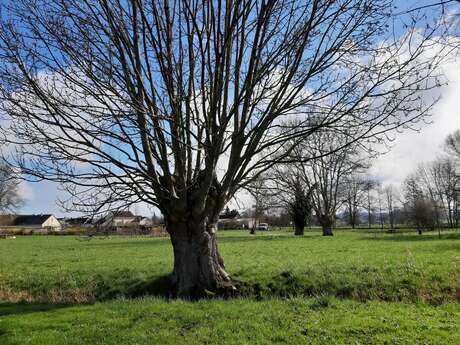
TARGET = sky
x,y
408,149
411,148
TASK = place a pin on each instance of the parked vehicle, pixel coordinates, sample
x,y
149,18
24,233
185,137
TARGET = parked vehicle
x,y
262,226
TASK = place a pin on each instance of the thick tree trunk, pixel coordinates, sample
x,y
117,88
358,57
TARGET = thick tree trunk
x,y
198,266
327,231
299,227
326,222
299,230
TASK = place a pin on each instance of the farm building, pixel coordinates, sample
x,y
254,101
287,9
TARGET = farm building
x,y
35,222
124,222
143,221
118,219
84,222
235,223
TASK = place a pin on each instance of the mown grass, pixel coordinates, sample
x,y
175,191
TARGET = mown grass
x,y
358,265
239,321
357,287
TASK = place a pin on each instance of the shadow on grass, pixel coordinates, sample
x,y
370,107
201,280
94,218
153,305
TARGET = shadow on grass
x,y
104,289
132,287
360,284
28,308
414,237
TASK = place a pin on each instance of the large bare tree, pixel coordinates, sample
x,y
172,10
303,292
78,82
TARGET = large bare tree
x,y
180,103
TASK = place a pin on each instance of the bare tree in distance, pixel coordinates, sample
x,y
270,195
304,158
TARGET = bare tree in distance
x,y
263,199
294,193
370,187
180,104
390,199
380,200
300,207
452,144
439,182
326,175
419,206
10,196
356,190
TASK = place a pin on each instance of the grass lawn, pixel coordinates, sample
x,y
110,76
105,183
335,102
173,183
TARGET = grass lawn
x,y
354,288
239,321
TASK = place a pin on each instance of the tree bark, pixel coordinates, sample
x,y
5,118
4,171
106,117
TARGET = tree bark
x,y
327,231
198,266
299,230
326,222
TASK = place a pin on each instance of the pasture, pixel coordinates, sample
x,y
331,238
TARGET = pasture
x,y
358,287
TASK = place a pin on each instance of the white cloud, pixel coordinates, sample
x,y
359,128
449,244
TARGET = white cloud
x,y
26,191
411,148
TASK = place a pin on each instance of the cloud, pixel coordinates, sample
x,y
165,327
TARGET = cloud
x,y
40,197
412,148
26,191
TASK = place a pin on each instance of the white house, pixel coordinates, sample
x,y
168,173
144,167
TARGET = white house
x,y
118,219
145,222
124,222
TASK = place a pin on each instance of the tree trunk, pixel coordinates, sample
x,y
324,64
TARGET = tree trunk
x,y
198,266
299,230
326,222
327,231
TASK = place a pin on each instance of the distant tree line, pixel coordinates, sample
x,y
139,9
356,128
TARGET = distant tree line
x,y
431,194
338,190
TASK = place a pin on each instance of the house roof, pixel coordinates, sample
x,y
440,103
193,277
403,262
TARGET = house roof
x,y
33,219
7,219
229,215
23,220
122,214
78,220
99,221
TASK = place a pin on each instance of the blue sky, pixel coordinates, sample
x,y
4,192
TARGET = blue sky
x,y
41,197
408,150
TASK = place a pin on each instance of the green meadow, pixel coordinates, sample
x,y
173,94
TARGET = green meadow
x,y
358,287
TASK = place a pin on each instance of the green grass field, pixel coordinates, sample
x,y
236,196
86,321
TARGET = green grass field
x,y
357,287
